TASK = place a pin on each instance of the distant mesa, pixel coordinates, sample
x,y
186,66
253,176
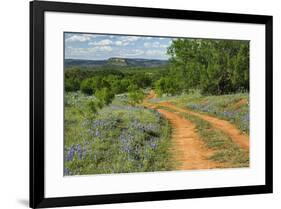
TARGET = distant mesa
x,y
115,61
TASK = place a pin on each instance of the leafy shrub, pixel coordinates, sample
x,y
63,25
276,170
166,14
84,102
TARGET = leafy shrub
x,y
167,85
93,107
135,95
91,85
105,95
72,84
87,86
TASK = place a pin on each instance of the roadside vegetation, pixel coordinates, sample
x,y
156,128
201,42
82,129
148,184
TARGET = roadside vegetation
x,y
118,139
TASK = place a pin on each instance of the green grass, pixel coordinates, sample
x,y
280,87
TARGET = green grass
x,y
226,151
119,139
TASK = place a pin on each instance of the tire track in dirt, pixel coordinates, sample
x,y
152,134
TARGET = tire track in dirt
x,y
235,134
188,150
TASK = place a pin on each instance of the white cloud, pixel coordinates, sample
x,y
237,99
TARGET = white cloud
x,y
147,44
118,43
85,51
155,52
104,42
95,46
129,38
121,43
132,53
155,44
126,40
74,52
103,48
79,38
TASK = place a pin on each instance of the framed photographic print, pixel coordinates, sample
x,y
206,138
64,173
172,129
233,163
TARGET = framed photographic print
x,y
135,104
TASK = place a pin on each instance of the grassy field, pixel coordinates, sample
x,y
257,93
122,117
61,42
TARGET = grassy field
x,y
118,139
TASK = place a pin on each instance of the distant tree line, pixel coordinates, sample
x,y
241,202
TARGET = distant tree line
x,y
105,84
91,81
73,77
212,66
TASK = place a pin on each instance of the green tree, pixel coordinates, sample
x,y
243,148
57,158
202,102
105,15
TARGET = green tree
x,y
213,66
87,86
135,95
168,85
72,84
240,69
142,80
91,85
93,107
104,95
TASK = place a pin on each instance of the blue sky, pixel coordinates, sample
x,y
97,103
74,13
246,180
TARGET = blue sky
x,y
99,47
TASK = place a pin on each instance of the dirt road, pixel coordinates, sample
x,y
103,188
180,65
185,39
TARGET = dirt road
x,y
241,139
189,152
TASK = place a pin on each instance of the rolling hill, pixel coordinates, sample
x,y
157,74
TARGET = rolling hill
x,y
115,61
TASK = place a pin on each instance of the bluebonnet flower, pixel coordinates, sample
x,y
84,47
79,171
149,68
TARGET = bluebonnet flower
x,y
126,148
228,114
79,151
97,133
153,145
70,154
67,172
246,118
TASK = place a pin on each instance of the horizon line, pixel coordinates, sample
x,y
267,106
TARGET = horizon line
x,y
115,57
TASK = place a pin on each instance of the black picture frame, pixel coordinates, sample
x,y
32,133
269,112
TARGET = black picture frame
x,y
37,115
